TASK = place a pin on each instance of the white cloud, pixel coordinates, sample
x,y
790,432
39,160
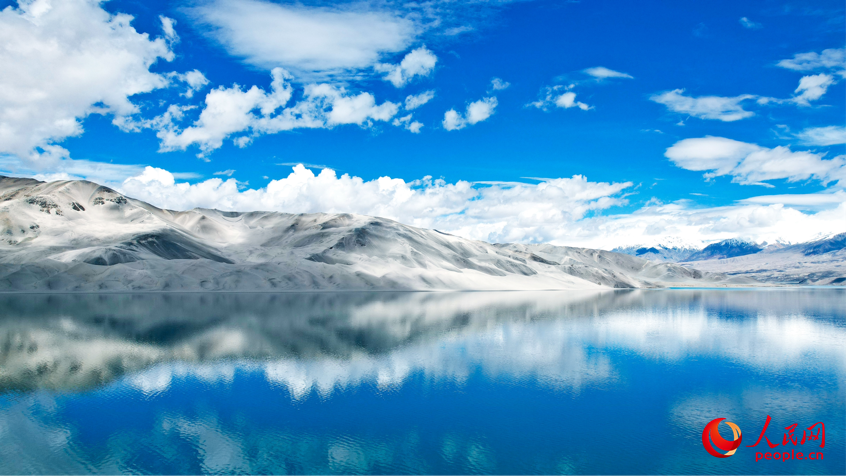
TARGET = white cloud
x,y
832,63
68,169
453,120
416,100
689,223
804,200
601,72
480,110
408,124
306,40
568,100
497,212
710,153
195,80
228,172
727,109
552,96
64,60
564,97
833,59
812,88
560,211
169,28
747,23
347,109
477,111
830,135
751,164
498,84
419,62
249,113
228,111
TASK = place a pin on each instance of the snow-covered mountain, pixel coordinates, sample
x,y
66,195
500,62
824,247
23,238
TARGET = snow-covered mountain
x,y
80,236
820,261
658,252
726,249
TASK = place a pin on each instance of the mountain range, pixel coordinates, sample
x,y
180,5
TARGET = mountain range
x,y
80,236
819,262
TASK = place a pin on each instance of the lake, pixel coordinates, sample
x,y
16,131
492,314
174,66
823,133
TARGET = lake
x,y
618,382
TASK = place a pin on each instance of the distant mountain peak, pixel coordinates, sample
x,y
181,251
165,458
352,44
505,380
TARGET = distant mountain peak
x,y
729,248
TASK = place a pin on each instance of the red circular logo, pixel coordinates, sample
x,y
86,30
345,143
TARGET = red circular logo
x,y
711,429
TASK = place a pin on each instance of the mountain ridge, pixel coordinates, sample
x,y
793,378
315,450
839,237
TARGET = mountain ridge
x,y
81,236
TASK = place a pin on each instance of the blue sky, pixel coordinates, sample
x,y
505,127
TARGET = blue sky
x,y
686,111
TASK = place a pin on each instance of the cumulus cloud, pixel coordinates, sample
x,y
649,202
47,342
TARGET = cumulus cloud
x,y
416,100
498,212
419,62
565,211
830,135
244,114
601,72
812,88
477,111
64,60
310,41
749,24
751,164
553,96
568,100
727,109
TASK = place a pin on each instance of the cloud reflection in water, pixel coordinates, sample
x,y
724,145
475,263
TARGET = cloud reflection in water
x,y
182,361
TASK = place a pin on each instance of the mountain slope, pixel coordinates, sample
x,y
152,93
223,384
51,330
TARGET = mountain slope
x,y
79,236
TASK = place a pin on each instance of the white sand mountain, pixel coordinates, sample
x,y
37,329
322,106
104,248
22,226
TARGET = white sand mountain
x,y
80,236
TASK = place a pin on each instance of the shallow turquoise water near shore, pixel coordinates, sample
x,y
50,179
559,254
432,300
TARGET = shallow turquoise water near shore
x,y
615,383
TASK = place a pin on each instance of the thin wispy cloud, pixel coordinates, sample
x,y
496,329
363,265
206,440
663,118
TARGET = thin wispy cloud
x,y
558,97
749,24
823,136
601,72
727,109
416,100
499,84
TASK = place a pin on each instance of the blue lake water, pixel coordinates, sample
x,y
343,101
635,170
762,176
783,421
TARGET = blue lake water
x,y
599,383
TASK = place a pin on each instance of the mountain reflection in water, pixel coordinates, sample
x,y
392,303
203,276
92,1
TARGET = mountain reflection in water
x,y
200,370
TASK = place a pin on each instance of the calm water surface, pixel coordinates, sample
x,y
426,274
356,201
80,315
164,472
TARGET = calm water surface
x,y
615,382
